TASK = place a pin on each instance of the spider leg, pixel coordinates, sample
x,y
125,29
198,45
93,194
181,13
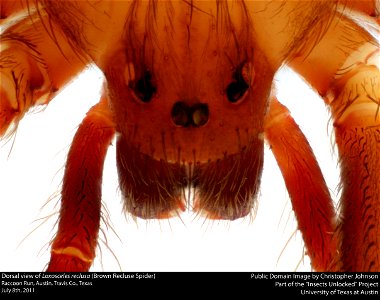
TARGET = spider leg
x,y
349,81
73,248
35,62
306,186
355,104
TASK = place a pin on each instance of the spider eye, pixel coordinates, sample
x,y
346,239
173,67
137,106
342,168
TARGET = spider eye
x,y
236,90
144,87
240,84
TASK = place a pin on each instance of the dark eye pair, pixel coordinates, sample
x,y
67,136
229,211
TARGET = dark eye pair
x,y
144,88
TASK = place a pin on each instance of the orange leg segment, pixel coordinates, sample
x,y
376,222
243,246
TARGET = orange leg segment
x,y
359,149
35,62
73,248
306,186
355,105
349,81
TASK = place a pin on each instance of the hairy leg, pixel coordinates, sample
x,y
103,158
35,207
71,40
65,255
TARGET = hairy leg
x,y
306,186
36,61
355,104
349,82
73,248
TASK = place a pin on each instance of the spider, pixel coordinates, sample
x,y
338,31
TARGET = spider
x,y
189,93
188,243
